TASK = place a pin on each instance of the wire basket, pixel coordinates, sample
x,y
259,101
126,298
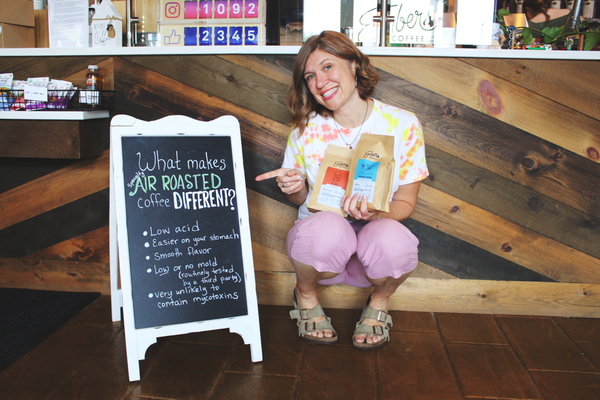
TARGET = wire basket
x,y
59,100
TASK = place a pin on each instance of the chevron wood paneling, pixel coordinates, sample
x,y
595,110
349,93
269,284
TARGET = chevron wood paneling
x,y
508,219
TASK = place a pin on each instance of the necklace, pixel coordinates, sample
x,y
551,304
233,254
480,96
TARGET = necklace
x,y
349,145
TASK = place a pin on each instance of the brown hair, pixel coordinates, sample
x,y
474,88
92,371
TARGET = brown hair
x,y
537,7
300,100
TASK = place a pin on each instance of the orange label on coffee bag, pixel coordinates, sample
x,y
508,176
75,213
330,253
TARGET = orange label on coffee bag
x,y
336,177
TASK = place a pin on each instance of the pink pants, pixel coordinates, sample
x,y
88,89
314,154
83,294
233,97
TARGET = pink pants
x,y
378,249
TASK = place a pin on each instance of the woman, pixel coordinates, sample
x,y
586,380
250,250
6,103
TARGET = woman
x,y
331,104
540,15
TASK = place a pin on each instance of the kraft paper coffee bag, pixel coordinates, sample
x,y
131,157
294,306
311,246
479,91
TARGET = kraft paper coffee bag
x,y
332,180
372,171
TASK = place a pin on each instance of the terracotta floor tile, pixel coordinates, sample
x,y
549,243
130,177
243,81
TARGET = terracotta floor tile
x,y
281,347
183,371
542,345
86,359
490,371
104,377
337,372
413,321
469,328
415,365
343,321
254,387
568,386
221,337
581,329
275,311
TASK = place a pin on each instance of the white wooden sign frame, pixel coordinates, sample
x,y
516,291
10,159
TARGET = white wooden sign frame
x,y
138,340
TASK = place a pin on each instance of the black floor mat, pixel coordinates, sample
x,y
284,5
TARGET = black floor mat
x,y
27,317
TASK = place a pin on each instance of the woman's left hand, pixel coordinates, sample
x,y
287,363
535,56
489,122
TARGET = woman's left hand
x,y
349,205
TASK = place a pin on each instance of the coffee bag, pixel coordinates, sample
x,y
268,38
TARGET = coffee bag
x,y
372,171
332,180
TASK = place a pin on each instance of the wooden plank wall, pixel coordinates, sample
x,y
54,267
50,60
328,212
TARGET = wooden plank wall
x,y
508,221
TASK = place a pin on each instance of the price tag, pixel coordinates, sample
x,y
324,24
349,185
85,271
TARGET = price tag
x,y
35,93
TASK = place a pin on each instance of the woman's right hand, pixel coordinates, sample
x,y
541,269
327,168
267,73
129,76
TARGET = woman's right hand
x,y
290,181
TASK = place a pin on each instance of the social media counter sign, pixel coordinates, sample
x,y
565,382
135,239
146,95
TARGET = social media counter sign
x,y
212,23
181,35
183,231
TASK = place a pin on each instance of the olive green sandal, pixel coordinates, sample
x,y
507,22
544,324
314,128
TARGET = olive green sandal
x,y
306,326
378,330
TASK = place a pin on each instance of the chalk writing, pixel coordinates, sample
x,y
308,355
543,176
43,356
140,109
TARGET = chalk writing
x,y
186,260
206,277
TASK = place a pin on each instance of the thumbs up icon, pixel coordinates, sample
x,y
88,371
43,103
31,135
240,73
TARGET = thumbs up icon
x,y
173,39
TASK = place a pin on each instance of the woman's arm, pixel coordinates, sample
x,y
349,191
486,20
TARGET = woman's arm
x,y
402,205
403,202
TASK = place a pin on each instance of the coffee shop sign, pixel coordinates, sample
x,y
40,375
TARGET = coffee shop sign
x,y
414,22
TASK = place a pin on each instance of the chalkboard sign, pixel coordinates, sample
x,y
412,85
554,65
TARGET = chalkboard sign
x,y
182,226
185,250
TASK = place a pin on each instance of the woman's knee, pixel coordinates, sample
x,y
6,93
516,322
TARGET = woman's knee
x,y
323,240
387,249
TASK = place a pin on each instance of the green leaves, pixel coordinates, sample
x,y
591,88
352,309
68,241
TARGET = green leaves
x,y
527,36
591,38
555,35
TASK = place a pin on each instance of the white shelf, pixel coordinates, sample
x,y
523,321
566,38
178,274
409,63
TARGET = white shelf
x,y
375,51
54,115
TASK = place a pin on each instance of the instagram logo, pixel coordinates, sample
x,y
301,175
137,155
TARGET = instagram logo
x,y
172,10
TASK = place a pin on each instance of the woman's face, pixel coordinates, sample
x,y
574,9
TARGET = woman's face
x,y
330,79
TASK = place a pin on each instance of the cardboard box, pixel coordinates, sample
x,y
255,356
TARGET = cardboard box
x,y
17,12
14,36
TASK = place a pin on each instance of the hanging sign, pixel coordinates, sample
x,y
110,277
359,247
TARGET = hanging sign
x,y
414,22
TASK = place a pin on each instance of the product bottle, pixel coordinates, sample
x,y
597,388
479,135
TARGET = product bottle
x,y
93,85
588,8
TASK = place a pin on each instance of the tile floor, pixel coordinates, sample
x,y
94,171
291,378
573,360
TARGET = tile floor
x,y
432,356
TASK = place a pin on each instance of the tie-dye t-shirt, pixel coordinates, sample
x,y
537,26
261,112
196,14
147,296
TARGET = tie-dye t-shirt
x,y
305,152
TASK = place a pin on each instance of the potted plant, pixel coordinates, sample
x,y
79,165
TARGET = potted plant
x,y
556,36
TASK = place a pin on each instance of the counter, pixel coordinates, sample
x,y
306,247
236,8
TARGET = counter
x,y
375,51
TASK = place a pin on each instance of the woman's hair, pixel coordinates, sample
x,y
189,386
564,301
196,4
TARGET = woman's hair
x,y
510,5
536,7
300,100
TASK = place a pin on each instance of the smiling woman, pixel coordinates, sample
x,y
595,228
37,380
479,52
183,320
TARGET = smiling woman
x,y
331,104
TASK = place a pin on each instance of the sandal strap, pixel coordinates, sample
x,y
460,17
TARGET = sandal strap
x,y
378,315
378,330
310,326
305,314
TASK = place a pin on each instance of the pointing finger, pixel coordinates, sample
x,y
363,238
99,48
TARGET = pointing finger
x,y
272,174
